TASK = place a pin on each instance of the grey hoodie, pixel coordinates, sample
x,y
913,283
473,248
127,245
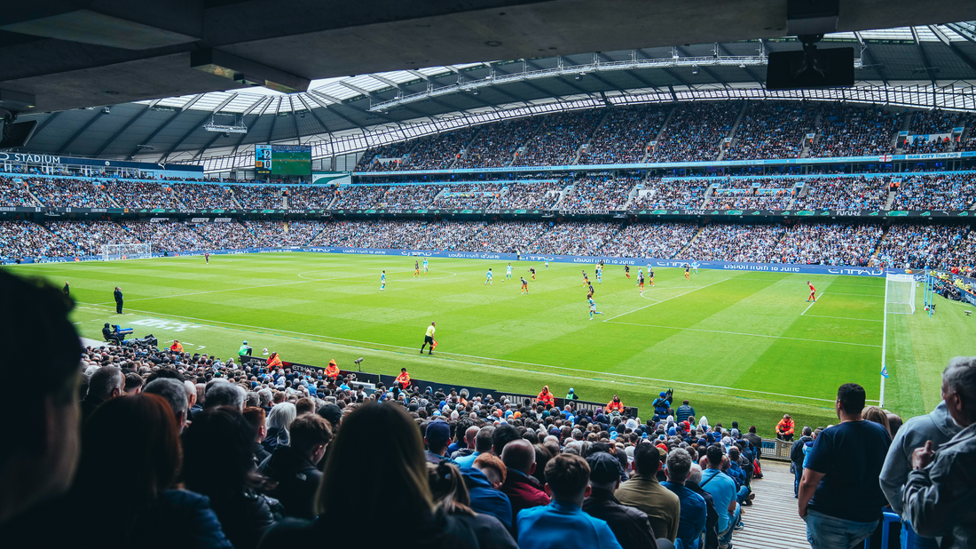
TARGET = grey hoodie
x,y
936,426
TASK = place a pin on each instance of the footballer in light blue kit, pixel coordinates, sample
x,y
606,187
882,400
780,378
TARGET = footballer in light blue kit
x,y
547,263
425,264
488,278
383,281
694,266
593,310
599,274
508,273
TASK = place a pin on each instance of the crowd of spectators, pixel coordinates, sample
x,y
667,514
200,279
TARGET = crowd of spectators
x,y
358,197
727,242
913,246
560,137
933,121
258,197
74,193
15,192
923,146
20,240
575,238
469,196
849,130
937,192
230,235
310,197
408,197
671,194
596,193
196,196
625,135
778,199
844,193
497,144
369,162
658,240
827,244
140,194
532,196
695,132
88,237
772,129
272,234
169,236
438,152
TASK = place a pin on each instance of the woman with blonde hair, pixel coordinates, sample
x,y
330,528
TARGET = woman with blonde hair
x,y
376,477
877,415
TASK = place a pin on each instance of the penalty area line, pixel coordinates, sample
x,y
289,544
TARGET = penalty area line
x,y
748,334
366,345
668,299
812,304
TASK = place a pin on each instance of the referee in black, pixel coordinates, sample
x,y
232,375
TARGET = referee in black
x,y
429,339
118,300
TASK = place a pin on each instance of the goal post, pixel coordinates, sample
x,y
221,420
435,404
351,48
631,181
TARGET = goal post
x,y
112,252
900,294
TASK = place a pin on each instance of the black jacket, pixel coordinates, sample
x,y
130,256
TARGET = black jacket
x,y
630,525
245,516
260,454
711,517
297,479
755,441
118,296
796,451
442,532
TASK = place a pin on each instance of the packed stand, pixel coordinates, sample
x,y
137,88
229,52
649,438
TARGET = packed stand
x,y
657,240
843,193
227,236
15,193
167,236
416,235
24,240
408,197
532,196
832,244
497,143
920,246
273,234
258,197
575,239
310,197
771,199
438,152
73,193
624,137
595,193
88,237
474,196
938,192
370,159
847,130
506,236
934,121
741,243
772,129
138,194
920,146
194,196
671,194
358,197
560,138
695,131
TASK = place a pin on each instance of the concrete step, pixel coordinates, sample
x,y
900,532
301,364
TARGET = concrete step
x,y
771,522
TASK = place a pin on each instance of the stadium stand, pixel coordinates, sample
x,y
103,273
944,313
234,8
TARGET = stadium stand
x,y
625,135
772,129
559,138
497,144
847,130
695,131
748,243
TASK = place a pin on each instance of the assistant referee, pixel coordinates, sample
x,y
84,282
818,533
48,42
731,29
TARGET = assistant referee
x,y
429,339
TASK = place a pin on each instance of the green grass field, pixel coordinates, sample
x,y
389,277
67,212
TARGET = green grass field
x,y
739,345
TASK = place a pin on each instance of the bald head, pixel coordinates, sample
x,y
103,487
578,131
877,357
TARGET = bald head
x,y
519,455
106,382
469,435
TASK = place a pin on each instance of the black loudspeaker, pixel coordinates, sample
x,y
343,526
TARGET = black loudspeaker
x,y
16,135
810,68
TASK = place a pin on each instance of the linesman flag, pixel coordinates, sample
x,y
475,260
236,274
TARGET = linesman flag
x,y
884,372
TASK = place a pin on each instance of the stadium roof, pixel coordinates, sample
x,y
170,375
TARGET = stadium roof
x,y
925,66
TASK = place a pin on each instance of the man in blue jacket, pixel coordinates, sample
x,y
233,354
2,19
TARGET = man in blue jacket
x,y
483,480
562,524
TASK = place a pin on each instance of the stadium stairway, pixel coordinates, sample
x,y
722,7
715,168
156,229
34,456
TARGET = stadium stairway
x,y
731,135
771,521
681,253
660,133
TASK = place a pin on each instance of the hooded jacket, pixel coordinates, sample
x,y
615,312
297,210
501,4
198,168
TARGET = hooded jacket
x,y
297,479
936,426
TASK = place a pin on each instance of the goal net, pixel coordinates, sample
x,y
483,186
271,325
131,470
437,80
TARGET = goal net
x,y
111,252
900,294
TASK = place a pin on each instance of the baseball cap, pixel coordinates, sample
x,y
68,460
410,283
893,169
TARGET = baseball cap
x,y
438,433
604,468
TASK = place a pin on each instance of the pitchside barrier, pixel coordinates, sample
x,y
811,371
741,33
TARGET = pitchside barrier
x,y
583,260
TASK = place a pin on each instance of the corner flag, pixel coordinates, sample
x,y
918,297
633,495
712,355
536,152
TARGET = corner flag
x,y
884,372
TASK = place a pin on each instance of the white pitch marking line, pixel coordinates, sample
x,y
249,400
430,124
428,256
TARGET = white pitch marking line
x,y
668,299
812,304
444,353
746,334
858,295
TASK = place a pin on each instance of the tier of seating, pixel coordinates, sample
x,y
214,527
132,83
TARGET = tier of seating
x,y
902,246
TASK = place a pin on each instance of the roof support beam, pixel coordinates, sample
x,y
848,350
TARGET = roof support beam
x,y
963,56
710,74
315,114
274,121
183,138
249,109
81,130
924,56
124,127
294,118
872,60
753,75
51,117
312,95
207,146
168,121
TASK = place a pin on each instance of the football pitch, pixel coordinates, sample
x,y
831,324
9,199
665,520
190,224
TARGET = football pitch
x,y
738,345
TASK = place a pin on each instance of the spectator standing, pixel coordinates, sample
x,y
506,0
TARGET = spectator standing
x,y
522,490
797,457
839,498
684,412
937,427
562,524
105,384
644,492
295,467
117,294
630,525
66,290
755,441
938,497
40,461
694,512
723,491
784,429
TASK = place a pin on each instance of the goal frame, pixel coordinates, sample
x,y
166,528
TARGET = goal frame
x,y
902,300
114,252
